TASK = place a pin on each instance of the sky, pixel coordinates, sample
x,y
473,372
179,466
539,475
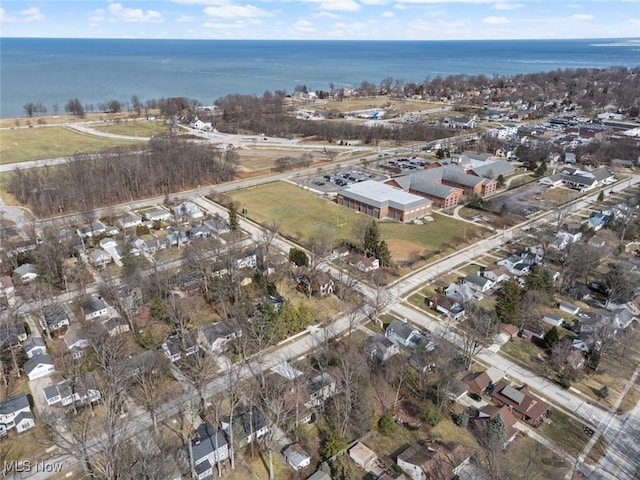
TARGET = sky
x,y
321,19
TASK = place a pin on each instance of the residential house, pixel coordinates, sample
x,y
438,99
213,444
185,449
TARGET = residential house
x,y
100,258
55,320
27,272
524,405
88,231
209,446
566,237
401,332
77,391
456,389
339,252
115,326
199,231
595,221
363,456
314,283
461,122
380,348
12,334
489,412
188,209
34,346
478,283
432,459
76,341
217,226
176,348
39,366
552,319
94,307
517,265
554,180
215,337
129,220
249,424
320,388
569,308
142,363
247,260
296,456
496,273
483,382
130,300
15,412
448,306
364,263
319,475
157,214
460,293
277,301
7,292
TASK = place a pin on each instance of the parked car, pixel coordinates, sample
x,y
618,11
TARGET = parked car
x,y
474,396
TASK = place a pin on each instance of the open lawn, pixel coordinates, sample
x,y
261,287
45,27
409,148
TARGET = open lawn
x,y
257,467
526,353
300,213
134,128
559,195
565,432
22,145
352,104
548,465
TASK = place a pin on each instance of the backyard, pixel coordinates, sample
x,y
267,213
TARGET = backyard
x,y
134,128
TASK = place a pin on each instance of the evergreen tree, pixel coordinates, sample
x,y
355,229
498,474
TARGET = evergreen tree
x,y
383,254
500,180
551,338
601,196
507,306
332,445
298,257
234,222
371,238
539,279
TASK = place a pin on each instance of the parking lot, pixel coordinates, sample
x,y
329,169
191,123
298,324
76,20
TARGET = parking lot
x,y
332,181
523,201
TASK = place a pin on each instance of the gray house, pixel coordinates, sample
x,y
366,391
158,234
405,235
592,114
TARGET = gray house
x,y
209,447
15,412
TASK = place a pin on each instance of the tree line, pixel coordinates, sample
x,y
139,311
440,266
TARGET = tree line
x,y
122,175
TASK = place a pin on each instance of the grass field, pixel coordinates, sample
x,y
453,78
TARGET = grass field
x,y
300,213
136,128
351,104
25,144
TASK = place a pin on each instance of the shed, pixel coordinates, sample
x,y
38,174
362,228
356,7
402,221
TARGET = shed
x,y
363,456
297,457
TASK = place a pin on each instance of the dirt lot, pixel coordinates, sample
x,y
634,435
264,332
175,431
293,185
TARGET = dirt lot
x,y
523,201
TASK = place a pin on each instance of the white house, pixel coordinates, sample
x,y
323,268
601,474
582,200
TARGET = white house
x,y
55,320
249,424
34,346
401,332
496,273
39,366
569,308
76,342
94,307
26,272
129,220
208,447
15,412
188,209
478,283
364,263
214,337
157,214
552,319
99,258
297,457
68,392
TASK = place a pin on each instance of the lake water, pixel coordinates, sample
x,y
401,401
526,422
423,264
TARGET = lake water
x,y
52,71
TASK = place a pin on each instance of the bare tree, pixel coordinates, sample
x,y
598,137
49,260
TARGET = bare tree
x,y
476,332
149,386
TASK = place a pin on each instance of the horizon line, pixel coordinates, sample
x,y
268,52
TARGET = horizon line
x,y
628,39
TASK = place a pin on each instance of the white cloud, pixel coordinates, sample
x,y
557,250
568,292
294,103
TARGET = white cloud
x,y
330,15
374,2
582,16
304,26
447,1
495,20
236,11
115,12
388,14
502,5
5,18
31,14
185,19
335,5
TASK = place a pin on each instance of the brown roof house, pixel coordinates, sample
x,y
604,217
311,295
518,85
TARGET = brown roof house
x,y
522,403
433,459
489,412
479,382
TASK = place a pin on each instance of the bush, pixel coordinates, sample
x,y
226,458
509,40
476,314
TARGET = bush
x,y
462,419
386,424
430,413
332,445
